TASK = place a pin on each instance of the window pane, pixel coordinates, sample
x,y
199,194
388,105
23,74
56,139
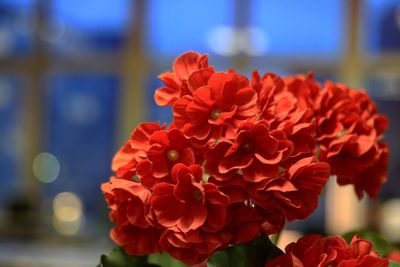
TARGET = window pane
x,y
299,27
180,25
17,24
88,26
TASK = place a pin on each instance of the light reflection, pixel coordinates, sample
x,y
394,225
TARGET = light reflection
x,y
46,167
222,40
53,31
229,41
67,207
257,41
67,228
81,109
67,213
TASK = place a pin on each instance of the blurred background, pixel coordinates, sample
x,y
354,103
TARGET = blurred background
x,y
77,76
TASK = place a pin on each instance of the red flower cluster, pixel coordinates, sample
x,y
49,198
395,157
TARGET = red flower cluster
x,y
317,251
349,133
239,159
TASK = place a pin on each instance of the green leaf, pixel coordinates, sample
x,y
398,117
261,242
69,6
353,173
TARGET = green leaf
x,y
380,245
254,253
394,264
118,258
165,260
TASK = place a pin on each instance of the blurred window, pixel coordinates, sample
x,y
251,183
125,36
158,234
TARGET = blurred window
x,y
10,136
81,117
17,24
81,109
307,27
173,30
77,26
382,25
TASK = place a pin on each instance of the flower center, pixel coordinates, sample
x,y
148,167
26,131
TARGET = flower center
x,y
247,147
173,155
215,114
341,133
197,195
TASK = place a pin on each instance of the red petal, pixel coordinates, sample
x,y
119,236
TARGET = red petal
x,y
166,96
186,64
166,207
199,78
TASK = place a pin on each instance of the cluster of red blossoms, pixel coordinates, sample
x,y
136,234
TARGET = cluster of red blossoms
x,y
240,158
317,251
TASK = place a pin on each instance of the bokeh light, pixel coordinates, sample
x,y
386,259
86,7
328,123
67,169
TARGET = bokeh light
x,y
46,167
221,40
67,213
53,32
229,41
258,41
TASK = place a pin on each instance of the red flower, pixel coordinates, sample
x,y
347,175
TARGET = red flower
x,y
285,108
304,88
165,149
294,192
369,112
360,254
137,241
266,87
259,143
349,133
367,173
256,152
128,201
126,159
188,204
317,251
247,219
300,129
129,204
191,71
225,102
194,246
